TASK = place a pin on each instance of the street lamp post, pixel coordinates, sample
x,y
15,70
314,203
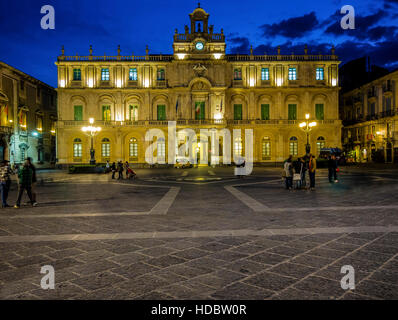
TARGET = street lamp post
x,y
91,131
307,127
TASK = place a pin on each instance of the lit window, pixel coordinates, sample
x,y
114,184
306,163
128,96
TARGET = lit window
x,y
161,148
265,74
238,147
319,74
292,74
106,148
320,144
39,123
105,74
77,148
161,74
133,148
293,146
22,120
238,74
77,75
266,148
133,75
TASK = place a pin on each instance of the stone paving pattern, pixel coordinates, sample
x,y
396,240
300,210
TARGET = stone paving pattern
x,y
292,266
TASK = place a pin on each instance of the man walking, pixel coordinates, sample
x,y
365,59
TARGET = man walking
x,y
34,179
5,182
25,175
311,171
120,170
288,168
332,167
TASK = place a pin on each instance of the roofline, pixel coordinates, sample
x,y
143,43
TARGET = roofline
x,y
367,83
33,79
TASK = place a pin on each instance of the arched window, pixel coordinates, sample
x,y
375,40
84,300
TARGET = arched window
x,y
106,148
293,146
77,148
161,144
320,144
133,150
238,149
266,148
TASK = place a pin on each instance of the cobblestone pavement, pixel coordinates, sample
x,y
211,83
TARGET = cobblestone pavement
x,y
203,234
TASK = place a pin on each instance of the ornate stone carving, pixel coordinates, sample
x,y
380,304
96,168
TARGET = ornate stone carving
x,y
199,69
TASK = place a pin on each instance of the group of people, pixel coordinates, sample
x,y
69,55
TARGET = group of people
x,y
120,168
26,178
294,172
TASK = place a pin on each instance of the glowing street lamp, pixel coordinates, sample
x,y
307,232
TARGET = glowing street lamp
x,y
91,131
307,127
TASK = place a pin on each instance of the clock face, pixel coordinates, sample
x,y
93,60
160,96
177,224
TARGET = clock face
x,y
199,45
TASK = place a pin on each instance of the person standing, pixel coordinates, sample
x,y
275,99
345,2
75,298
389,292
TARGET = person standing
x,y
304,166
113,169
288,167
34,179
107,167
5,182
311,171
25,175
332,168
120,170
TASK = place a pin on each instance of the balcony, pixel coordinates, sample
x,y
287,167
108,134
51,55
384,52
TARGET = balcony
x,y
132,84
265,83
76,84
237,83
6,130
162,84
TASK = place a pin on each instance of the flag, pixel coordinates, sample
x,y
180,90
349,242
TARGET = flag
x,y
197,107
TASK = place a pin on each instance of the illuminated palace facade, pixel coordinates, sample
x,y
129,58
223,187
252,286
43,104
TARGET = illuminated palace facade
x,y
200,87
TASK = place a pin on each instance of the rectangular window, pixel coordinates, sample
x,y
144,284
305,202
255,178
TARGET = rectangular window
x,y
238,74
39,123
133,75
319,146
161,149
265,112
265,74
22,120
199,110
372,109
293,148
320,74
292,112
292,74
266,149
106,113
105,74
77,150
161,74
237,112
161,112
238,147
77,75
22,85
78,113
133,150
134,113
319,112
106,150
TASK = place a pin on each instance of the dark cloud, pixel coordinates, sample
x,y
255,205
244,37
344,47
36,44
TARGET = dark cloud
x,y
239,45
291,28
364,26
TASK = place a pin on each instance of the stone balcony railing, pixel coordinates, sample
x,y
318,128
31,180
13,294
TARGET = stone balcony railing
x,y
188,122
6,129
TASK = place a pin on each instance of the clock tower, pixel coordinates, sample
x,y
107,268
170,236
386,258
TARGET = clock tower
x,y
199,41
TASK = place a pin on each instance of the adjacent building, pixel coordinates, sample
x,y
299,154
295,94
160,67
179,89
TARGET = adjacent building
x,y
28,116
198,86
370,115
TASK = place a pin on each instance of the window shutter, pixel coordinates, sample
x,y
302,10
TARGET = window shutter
x,y
78,113
265,112
319,113
292,112
237,112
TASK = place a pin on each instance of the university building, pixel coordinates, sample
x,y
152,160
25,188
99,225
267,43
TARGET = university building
x,y
199,86
370,115
28,115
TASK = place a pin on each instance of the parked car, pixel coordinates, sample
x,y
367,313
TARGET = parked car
x,y
182,163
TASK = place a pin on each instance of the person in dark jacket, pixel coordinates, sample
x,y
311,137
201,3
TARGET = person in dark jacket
x,y
332,167
25,175
120,169
113,169
34,179
5,182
